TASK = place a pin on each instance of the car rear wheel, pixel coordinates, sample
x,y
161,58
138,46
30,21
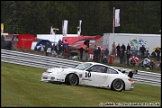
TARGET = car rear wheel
x,y
118,85
72,79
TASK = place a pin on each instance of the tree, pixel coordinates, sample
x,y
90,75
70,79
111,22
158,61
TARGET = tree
x,y
97,16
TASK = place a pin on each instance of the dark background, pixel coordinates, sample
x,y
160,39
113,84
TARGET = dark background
x,y
37,17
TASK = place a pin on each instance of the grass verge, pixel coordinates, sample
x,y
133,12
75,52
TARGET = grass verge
x,y
21,87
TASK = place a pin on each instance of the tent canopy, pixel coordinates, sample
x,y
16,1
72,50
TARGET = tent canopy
x,y
41,45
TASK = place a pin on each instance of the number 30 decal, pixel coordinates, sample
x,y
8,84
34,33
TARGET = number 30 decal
x,y
87,74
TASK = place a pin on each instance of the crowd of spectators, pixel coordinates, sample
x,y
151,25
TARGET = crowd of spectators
x,y
119,53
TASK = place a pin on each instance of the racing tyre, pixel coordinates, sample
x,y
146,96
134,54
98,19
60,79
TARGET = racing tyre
x,y
118,85
72,79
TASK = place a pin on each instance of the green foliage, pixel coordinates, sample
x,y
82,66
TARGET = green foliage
x,y
21,87
37,17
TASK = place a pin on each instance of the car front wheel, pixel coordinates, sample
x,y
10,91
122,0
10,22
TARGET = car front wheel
x,y
118,85
72,79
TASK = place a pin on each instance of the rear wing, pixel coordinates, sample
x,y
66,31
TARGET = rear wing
x,y
130,73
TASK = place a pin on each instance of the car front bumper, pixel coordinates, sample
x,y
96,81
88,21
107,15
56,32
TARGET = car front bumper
x,y
47,77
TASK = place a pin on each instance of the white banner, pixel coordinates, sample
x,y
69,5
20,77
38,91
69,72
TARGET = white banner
x,y
64,27
79,29
117,17
52,31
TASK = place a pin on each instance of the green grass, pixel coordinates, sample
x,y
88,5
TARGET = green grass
x,y
21,87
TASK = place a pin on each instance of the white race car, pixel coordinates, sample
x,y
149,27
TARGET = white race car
x,y
91,74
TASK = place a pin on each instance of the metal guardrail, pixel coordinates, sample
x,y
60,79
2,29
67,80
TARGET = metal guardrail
x,y
35,60
40,61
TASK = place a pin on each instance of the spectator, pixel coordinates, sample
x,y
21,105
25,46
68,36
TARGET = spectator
x,y
125,58
128,56
99,53
59,45
53,47
95,54
118,50
63,49
113,48
123,47
65,45
158,54
147,54
142,51
146,62
153,54
128,47
10,45
57,49
106,53
47,48
81,53
54,50
121,56
86,53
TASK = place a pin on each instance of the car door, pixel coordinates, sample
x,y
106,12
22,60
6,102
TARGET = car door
x,y
95,75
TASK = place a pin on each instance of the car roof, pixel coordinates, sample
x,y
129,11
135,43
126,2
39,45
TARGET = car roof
x,y
95,63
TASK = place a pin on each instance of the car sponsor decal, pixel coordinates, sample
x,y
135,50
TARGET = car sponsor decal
x,y
80,75
86,79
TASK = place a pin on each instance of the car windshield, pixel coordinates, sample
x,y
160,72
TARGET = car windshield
x,y
83,66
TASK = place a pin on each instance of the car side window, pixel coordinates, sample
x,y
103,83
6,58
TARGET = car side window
x,y
111,71
98,68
